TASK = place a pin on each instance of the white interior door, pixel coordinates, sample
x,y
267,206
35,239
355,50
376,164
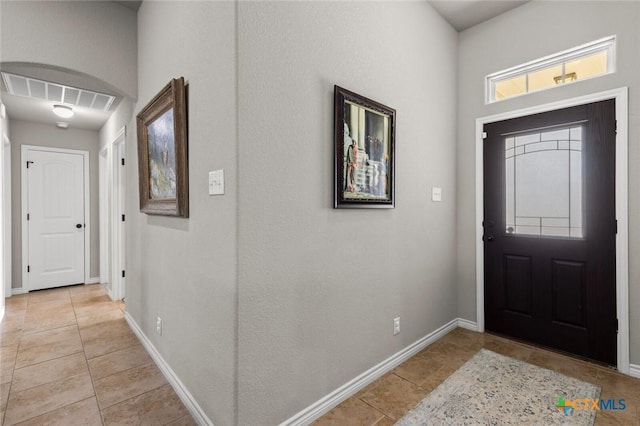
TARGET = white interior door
x,y
56,219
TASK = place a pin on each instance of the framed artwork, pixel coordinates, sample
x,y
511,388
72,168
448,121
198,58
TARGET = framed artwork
x,y
364,147
163,168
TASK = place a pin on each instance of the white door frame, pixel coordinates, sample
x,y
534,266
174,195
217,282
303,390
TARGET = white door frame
x,y
104,203
118,224
6,207
112,228
25,205
622,194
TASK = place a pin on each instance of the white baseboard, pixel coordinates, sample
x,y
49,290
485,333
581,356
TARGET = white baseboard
x,y
634,370
324,405
469,325
93,280
18,290
1,312
181,390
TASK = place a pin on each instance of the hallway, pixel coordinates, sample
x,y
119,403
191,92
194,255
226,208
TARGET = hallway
x,y
67,356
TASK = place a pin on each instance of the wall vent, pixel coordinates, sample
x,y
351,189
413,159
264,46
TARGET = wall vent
x,y
58,93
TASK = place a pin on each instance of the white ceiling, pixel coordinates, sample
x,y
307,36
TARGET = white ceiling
x,y
463,14
41,111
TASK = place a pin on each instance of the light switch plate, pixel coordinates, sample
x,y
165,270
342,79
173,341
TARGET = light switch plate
x,y
436,194
216,182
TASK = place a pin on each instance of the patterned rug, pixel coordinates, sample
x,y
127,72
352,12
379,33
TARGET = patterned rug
x,y
493,389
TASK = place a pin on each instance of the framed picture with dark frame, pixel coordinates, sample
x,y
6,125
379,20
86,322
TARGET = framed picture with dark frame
x,y
162,153
364,147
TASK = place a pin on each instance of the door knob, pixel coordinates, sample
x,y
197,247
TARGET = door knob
x,y
488,238
78,225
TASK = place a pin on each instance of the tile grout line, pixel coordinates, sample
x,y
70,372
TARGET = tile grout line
x,y
378,410
134,396
86,361
16,362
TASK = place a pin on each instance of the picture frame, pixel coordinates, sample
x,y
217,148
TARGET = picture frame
x,y
162,153
364,151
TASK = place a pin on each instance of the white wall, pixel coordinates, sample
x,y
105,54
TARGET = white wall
x,y
96,38
185,270
28,133
318,287
531,31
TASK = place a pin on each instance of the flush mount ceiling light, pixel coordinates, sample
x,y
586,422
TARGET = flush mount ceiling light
x,y
63,111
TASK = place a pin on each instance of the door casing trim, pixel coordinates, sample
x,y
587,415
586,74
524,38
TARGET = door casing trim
x,y
620,95
25,224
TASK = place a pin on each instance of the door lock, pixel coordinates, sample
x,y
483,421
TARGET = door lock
x,y
78,225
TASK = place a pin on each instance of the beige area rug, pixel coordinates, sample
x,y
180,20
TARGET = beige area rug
x,y
492,389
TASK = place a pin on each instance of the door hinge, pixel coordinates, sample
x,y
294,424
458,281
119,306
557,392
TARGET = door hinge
x,y
616,226
484,135
27,216
29,162
122,161
616,126
616,325
123,218
122,274
28,268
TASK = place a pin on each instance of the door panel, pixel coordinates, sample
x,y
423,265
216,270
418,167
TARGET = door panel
x,y
549,225
569,284
518,284
55,187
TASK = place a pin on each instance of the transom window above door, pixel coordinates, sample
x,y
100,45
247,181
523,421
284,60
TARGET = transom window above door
x,y
579,63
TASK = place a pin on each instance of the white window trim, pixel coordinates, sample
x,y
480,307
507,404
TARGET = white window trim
x,y
604,44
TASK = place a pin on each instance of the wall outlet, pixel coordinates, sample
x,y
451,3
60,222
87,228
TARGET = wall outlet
x,y
159,326
396,326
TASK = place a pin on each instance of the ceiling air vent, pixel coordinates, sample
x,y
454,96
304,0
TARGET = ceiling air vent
x,y
39,89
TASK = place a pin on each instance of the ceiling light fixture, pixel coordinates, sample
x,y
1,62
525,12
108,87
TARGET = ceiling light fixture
x,y
63,111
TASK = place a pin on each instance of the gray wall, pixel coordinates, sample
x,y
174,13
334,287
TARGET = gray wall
x,y
121,117
185,270
318,287
27,133
535,30
96,38
5,204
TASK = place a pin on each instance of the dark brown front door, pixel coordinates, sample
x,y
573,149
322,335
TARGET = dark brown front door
x,y
549,229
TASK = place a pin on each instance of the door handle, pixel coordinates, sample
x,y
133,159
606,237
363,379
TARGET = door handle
x,y
488,238
78,225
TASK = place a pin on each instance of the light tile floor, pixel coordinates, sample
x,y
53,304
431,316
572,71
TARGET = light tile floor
x,y
387,399
68,357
